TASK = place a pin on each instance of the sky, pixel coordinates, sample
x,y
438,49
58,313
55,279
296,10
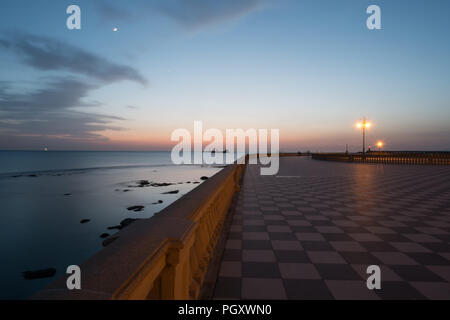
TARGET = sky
x,y
310,68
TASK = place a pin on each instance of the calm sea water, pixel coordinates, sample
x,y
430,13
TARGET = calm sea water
x,y
45,195
30,161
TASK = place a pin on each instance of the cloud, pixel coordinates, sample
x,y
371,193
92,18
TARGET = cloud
x,y
109,12
198,13
52,55
51,111
58,94
191,14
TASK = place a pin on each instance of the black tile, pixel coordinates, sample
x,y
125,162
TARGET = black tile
x,y
369,223
260,270
443,237
234,235
317,246
291,256
289,217
251,208
247,216
321,223
301,229
360,258
415,273
391,290
412,225
232,255
337,237
337,272
440,247
307,289
354,229
256,244
271,212
429,259
282,236
228,288
254,228
404,230
275,222
377,246
392,237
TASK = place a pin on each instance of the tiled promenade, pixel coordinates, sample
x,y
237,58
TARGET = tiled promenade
x,y
311,231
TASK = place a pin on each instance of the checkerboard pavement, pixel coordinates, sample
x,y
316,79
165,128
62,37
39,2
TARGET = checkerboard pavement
x,y
312,231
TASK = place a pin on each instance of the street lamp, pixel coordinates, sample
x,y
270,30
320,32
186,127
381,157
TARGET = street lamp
x,y
380,144
363,125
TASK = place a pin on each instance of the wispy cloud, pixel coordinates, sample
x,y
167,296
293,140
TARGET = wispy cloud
x,y
110,12
191,14
51,110
199,13
50,54
59,94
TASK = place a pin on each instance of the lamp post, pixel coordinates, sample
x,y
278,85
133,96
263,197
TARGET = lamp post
x,y
380,145
363,125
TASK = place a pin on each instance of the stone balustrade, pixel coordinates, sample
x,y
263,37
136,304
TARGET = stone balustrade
x,y
431,158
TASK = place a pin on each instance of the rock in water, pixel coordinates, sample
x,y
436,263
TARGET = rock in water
x,y
104,235
118,227
135,208
109,241
163,184
143,183
172,192
39,274
85,221
126,222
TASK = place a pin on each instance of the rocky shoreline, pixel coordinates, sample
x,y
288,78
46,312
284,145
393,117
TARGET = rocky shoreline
x,y
106,237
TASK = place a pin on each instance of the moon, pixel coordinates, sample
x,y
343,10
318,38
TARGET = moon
x,y
115,29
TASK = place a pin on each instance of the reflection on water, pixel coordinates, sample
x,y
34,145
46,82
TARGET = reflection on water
x,y
40,215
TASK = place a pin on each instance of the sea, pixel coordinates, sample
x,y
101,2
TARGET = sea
x,y
45,195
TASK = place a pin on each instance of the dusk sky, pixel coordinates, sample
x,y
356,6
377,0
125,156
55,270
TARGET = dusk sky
x,y
309,68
